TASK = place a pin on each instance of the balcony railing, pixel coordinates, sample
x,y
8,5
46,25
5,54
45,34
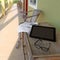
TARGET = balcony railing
x,y
5,5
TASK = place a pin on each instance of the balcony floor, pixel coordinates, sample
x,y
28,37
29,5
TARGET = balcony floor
x,y
9,36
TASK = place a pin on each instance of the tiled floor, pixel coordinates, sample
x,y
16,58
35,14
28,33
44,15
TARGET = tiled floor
x,y
9,36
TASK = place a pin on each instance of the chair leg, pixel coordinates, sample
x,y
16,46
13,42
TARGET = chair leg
x,y
20,37
18,42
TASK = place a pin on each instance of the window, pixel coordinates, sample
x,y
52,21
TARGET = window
x,y
33,3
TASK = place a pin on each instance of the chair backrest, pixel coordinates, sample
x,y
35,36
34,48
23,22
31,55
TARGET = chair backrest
x,y
35,15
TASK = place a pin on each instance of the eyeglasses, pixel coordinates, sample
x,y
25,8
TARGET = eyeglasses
x,y
39,44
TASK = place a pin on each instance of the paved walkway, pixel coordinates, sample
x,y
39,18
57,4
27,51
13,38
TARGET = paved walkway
x,y
9,36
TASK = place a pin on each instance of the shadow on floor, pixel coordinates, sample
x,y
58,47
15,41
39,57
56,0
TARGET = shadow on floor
x,y
6,23
16,54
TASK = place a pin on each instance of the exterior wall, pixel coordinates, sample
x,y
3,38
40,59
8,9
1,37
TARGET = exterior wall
x,y
51,11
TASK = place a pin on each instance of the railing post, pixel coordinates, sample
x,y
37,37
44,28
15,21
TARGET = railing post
x,y
3,7
10,2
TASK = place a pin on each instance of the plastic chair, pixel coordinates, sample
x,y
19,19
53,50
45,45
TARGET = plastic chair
x,y
28,22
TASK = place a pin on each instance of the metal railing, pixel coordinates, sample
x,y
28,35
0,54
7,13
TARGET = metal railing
x,y
5,5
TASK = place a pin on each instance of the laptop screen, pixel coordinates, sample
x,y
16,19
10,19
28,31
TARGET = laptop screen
x,y
43,32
